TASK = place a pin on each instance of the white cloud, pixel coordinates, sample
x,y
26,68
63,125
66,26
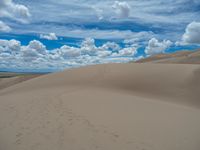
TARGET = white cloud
x,y
104,53
14,11
156,47
93,33
122,9
33,51
50,36
150,14
37,46
4,27
99,12
128,51
110,46
68,52
151,11
12,45
88,47
192,34
35,56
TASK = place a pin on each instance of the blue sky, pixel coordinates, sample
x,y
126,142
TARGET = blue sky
x,y
53,35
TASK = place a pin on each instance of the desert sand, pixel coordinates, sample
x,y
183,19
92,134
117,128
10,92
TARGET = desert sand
x,y
104,107
180,57
8,79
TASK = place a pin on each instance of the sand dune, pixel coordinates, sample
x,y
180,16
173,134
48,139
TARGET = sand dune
x,y
105,107
180,57
10,79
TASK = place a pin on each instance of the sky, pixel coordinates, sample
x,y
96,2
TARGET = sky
x,y
50,35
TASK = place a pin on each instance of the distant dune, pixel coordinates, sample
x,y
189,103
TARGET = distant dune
x,y
104,107
180,57
8,79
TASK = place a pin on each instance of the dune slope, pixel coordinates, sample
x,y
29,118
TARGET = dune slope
x,y
180,57
106,107
7,80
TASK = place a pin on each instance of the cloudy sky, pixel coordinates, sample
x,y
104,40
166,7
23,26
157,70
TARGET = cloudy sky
x,y
52,35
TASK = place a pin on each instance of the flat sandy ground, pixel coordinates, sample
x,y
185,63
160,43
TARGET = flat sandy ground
x,y
104,107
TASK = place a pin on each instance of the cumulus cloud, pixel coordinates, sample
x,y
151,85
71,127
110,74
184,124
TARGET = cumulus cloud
x,y
37,46
122,9
111,46
4,27
128,51
36,56
50,36
156,47
12,10
68,52
88,47
192,34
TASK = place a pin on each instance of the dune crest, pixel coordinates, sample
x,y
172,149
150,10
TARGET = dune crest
x,y
180,57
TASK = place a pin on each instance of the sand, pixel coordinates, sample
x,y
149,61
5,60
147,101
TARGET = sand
x,y
104,107
10,79
180,57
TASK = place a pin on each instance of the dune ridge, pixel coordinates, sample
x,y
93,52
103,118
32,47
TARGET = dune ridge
x,y
180,57
107,107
